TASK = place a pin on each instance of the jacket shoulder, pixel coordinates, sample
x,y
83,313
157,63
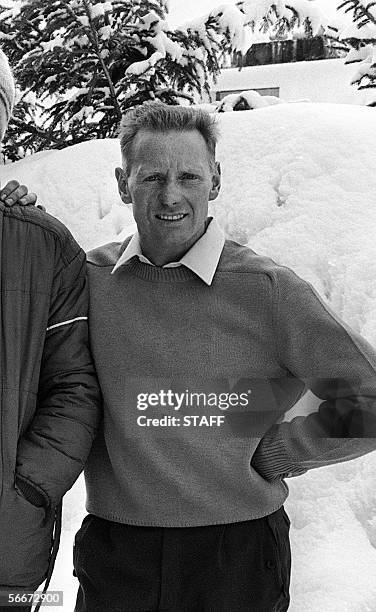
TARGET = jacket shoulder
x,y
42,222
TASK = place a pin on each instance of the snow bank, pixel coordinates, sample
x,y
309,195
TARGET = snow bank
x,y
299,184
78,186
302,188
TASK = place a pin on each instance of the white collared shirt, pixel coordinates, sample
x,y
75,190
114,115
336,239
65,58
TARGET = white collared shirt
x,y
202,258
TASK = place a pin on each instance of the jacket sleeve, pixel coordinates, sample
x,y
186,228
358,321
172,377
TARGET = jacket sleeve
x,y
52,452
338,367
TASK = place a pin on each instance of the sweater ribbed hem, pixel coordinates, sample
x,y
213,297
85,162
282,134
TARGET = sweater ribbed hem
x,y
155,274
235,518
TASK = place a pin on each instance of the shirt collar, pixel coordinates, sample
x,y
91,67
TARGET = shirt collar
x,y
202,258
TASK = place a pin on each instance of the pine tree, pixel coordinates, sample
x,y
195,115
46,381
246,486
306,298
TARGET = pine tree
x,y
88,61
279,18
80,64
359,40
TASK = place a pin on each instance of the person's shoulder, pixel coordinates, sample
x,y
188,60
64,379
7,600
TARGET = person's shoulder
x,y
40,218
240,259
107,254
40,222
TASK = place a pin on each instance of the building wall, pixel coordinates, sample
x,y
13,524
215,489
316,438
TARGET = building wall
x,y
285,51
318,81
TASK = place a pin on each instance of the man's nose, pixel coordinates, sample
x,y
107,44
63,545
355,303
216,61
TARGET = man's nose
x,y
170,193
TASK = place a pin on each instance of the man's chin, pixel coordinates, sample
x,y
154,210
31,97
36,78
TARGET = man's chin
x,y
173,232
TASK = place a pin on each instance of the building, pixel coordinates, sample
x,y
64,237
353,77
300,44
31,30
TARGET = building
x,y
302,69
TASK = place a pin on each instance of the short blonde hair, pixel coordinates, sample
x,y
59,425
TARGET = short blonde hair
x,y
160,117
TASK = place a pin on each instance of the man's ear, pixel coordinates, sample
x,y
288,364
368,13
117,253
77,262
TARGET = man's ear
x,y
216,182
122,182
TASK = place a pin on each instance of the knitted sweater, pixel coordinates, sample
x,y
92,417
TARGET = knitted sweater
x,y
196,379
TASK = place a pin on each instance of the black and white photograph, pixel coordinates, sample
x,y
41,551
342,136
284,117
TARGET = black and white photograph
x,y
188,305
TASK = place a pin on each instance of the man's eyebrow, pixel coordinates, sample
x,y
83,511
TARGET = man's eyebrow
x,y
146,171
191,170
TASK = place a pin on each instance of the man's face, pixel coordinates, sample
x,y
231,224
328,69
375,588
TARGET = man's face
x,y
169,182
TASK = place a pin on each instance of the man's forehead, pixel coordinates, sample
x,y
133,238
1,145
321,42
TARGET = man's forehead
x,y
146,138
164,166
181,148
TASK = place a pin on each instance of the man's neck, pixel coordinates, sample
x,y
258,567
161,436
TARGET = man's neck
x,y
163,255
162,258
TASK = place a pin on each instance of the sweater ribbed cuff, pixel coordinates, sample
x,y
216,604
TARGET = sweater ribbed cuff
x,y
271,461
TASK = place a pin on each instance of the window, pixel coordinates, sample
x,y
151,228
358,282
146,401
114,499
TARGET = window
x,y
265,91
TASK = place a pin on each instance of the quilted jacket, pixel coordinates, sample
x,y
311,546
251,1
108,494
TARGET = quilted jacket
x,y
49,396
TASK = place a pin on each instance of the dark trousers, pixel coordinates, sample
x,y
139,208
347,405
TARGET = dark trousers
x,y
239,567
15,608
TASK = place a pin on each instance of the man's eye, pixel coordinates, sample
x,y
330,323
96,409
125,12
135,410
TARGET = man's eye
x,y
152,177
189,177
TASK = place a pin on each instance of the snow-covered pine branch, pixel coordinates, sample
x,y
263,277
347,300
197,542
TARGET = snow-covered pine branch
x,y
359,38
279,16
88,61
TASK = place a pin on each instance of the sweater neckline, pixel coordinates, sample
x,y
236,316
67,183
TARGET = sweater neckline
x,y
157,274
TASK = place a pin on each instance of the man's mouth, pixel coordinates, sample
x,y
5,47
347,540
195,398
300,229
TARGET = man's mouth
x,y
176,217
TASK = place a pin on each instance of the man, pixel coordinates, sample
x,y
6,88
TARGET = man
x,y
49,406
201,346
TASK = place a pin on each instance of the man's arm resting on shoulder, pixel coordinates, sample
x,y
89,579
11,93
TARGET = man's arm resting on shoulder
x,y
339,368
52,452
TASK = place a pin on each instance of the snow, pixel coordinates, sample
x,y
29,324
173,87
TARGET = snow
x,y
299,184
252,98
234,19
100,9
230,19
255,10
366,32
105,32
306,199
182,11
77,185
359,31
164,45
358,55
138,68
57,41
318,81
363,74
83,19
151,21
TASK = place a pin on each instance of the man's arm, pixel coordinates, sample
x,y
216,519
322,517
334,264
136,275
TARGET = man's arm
x,y
339,368
52,452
